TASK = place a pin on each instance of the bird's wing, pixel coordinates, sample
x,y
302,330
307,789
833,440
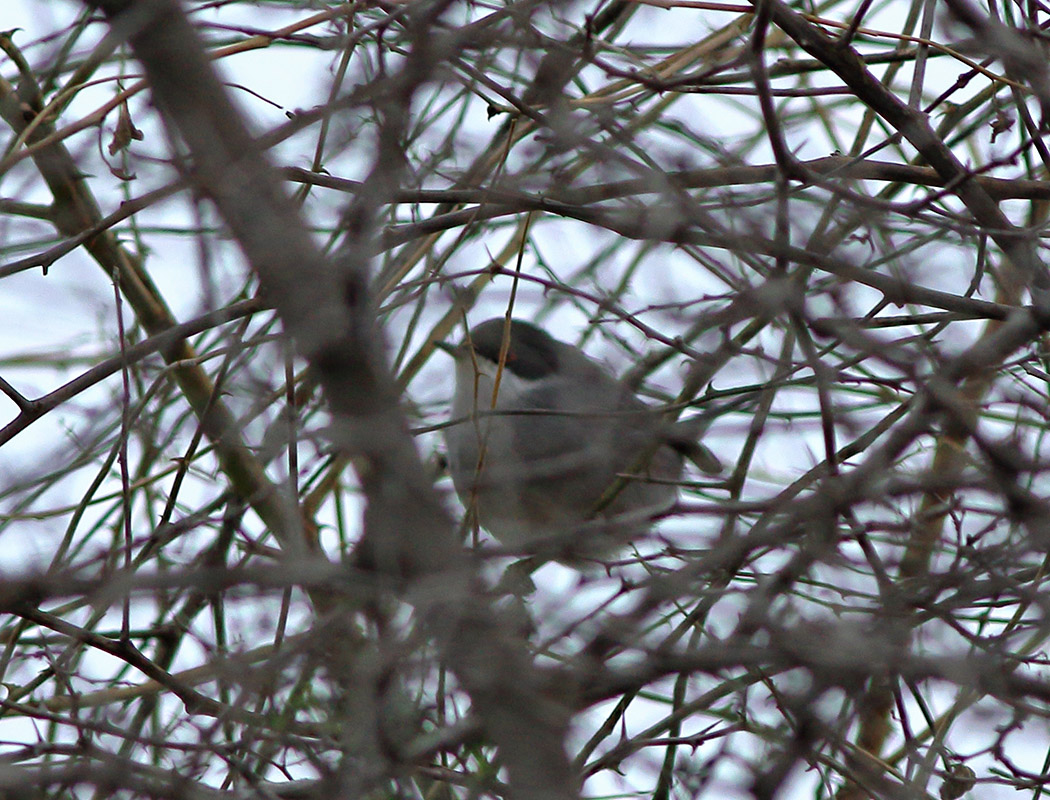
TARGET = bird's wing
x,y
684,437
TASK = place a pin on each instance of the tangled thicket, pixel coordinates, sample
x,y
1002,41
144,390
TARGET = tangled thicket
x,y
231,561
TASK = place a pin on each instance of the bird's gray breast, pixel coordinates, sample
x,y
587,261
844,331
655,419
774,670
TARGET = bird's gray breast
x,y
550,451
572,456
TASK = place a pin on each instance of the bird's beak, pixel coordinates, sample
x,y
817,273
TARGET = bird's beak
x,y
454,350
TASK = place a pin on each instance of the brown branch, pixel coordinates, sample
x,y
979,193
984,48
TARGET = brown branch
x,y
911,123
325,307
74,211
35,409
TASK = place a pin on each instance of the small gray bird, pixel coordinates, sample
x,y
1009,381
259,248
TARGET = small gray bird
x,y
541,461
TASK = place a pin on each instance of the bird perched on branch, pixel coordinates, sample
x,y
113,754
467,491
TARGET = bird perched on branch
x,y
549,450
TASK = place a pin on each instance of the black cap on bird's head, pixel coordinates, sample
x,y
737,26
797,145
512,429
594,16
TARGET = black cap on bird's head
x,y
532,353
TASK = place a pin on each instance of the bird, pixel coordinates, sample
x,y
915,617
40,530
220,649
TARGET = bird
x,y
550,450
